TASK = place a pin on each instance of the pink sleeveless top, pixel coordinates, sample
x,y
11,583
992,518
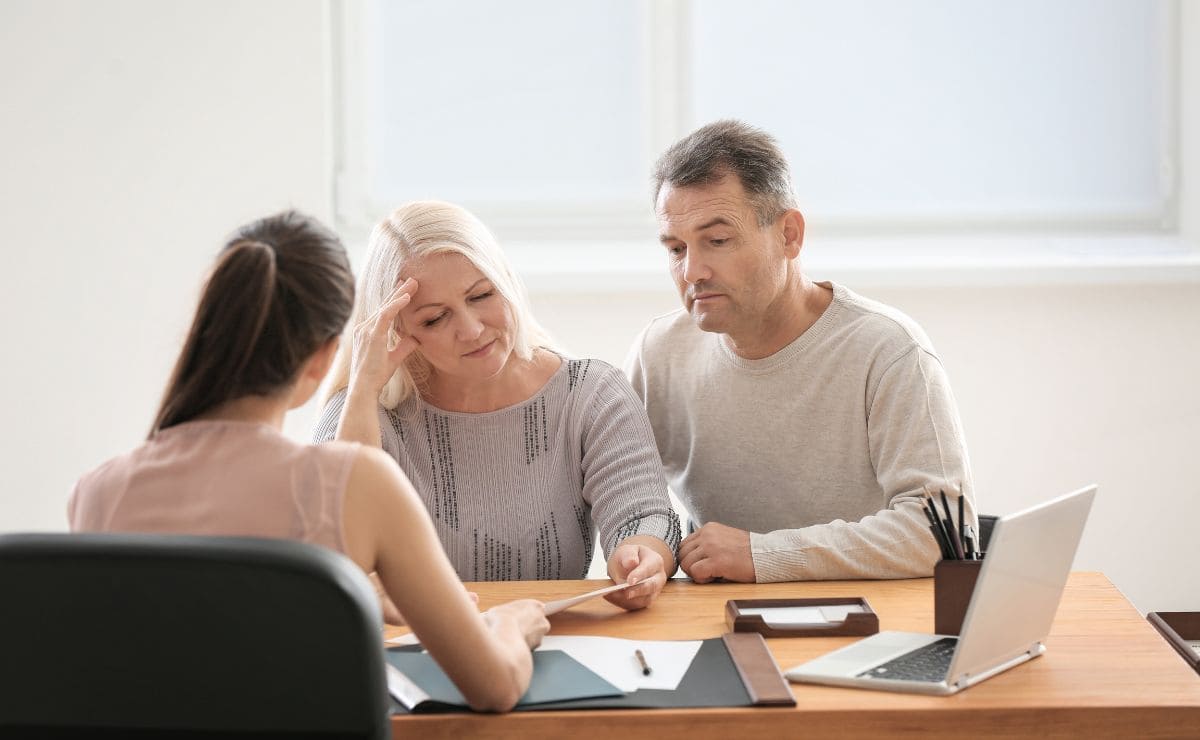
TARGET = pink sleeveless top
x,y
231,478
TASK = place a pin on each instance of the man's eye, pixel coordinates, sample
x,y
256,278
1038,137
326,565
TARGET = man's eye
x,y
676,250
483,296
717,242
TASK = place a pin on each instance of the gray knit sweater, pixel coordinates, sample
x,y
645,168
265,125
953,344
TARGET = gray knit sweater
x,y
822,450
518,493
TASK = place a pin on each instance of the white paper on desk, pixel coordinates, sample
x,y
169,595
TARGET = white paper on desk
x,y
402,688
794,616
613,659
554,607
409,639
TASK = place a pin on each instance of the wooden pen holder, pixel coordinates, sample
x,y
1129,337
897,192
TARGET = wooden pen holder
x,y
953,584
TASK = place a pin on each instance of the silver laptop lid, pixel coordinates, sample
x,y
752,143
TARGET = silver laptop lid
x,y
1022,579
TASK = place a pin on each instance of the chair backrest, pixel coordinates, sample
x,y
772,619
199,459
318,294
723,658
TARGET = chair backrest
x,y
118,635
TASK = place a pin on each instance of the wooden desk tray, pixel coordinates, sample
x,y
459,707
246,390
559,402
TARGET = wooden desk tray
x,y
855,625
1180,629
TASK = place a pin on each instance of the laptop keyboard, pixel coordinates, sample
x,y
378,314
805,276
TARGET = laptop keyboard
x,y
929,663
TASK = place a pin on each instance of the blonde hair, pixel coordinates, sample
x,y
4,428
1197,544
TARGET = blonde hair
x,y
413,231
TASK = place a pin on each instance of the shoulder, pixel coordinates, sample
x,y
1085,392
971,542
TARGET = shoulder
x,y
370,463
102,478
589,376
667,329
667,340
100,489
886,330
332,450
373,473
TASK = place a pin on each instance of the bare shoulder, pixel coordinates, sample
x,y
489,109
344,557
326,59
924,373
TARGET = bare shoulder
x,y
372,466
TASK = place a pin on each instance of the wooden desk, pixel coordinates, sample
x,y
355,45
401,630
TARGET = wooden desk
x,y
1106,673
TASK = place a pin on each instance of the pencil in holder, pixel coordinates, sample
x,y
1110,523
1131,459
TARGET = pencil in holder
x,y
953,584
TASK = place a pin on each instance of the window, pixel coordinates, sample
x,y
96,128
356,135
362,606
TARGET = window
x,y
923,116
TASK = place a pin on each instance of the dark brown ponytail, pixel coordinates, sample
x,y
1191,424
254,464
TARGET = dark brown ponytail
x,y
281,288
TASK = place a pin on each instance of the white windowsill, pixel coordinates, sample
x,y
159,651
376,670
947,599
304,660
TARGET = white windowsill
x,y
942,261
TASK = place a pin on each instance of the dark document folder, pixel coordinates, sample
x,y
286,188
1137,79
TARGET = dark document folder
x,y
736,670
557,677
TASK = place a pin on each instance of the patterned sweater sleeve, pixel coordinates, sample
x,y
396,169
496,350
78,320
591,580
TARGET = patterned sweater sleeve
x,y
623,480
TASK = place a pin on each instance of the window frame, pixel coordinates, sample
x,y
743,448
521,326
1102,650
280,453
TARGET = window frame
x,y
868,250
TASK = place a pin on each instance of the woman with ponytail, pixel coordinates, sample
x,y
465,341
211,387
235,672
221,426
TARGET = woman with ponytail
x,y
217,463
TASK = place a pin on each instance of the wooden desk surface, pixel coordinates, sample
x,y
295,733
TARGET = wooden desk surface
x,y
1106,673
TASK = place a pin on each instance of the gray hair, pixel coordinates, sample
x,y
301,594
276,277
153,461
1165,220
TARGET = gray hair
x,y
731,147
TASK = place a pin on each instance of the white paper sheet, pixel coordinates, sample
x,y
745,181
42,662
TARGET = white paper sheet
x,y
789,615
613,659
402,688
551,607
795,616
554,607
838,613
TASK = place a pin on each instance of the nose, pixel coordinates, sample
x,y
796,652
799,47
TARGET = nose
x,y
469,326
695,268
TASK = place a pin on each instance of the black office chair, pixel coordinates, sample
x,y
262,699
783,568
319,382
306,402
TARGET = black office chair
x,y
148,636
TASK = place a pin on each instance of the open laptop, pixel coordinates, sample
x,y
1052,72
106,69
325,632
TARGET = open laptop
x,y
1014,601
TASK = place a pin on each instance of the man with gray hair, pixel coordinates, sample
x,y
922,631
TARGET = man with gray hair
x,y
799,422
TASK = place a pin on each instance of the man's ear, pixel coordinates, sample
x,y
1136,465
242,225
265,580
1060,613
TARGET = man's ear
x,y
793,232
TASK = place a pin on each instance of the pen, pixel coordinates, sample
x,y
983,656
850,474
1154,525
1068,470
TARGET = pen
x,y
641,659
955,544
937,532
962,519
943,529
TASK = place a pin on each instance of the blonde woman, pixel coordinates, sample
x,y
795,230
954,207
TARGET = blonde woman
x,y
522,456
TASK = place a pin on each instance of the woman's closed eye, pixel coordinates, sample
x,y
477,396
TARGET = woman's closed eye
x,y
434,320
482,296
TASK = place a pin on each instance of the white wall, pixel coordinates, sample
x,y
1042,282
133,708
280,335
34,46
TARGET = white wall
x,y
136,134
134,137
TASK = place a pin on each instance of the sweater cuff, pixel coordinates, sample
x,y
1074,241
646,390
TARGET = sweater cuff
x,y
776,558
664,527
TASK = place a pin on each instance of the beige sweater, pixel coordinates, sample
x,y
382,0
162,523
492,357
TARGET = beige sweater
x,y
821,450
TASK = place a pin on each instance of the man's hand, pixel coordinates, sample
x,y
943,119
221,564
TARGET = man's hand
x,y
641,565
717,551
